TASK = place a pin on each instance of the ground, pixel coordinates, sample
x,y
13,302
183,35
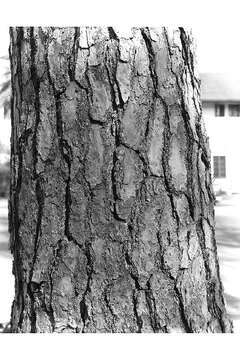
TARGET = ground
x,y
227,212
6,277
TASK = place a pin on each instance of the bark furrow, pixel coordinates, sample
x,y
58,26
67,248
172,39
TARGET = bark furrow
x,y
111,204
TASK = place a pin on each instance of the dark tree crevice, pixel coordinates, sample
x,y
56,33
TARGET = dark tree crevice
x,y
111,203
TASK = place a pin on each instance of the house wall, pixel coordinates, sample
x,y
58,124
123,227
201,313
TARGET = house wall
x,y
224,140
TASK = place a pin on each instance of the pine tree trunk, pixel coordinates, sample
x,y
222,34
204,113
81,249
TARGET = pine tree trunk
x,y
111,205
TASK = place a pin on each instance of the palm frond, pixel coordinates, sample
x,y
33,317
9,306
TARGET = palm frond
x,y
4,57
6,106
7,73
5,86
5,89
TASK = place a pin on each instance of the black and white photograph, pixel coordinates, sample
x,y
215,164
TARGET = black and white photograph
x,y
119,178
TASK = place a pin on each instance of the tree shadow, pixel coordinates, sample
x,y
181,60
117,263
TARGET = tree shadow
x,y
233,306
232,301
228,236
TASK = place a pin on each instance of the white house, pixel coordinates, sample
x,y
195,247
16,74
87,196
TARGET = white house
x,y
221,113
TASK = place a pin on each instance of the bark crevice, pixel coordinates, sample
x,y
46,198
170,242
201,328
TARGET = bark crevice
x,y
111,199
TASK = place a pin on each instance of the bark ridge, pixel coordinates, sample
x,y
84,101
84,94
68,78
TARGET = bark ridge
x,y
111,205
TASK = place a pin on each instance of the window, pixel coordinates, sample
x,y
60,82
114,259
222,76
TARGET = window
x,y
234,110
219,166
219,109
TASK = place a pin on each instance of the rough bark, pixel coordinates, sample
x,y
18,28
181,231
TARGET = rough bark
x,y
111,205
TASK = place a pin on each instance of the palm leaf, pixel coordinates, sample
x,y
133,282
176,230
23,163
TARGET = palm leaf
x,y
5,86
5,89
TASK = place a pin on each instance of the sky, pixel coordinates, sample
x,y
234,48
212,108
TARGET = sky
x,y
217,50
218,47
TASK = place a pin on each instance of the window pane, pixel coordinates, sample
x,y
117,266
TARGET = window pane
x,y
219,109
219,166
234,110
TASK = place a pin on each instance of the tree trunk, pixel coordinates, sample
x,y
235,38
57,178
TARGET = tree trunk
x,y
111,205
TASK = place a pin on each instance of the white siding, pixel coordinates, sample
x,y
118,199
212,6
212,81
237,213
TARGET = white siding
x,y
224,140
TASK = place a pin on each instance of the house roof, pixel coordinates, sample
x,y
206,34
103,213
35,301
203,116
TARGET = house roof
x,y
220,87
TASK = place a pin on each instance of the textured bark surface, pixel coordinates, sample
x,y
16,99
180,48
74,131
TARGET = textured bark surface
x,y
111,208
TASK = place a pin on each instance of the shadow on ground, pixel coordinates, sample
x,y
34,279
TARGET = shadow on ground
x,y
227,212
226,236
233,306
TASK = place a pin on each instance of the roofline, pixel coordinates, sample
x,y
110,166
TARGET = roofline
x,y
220,100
